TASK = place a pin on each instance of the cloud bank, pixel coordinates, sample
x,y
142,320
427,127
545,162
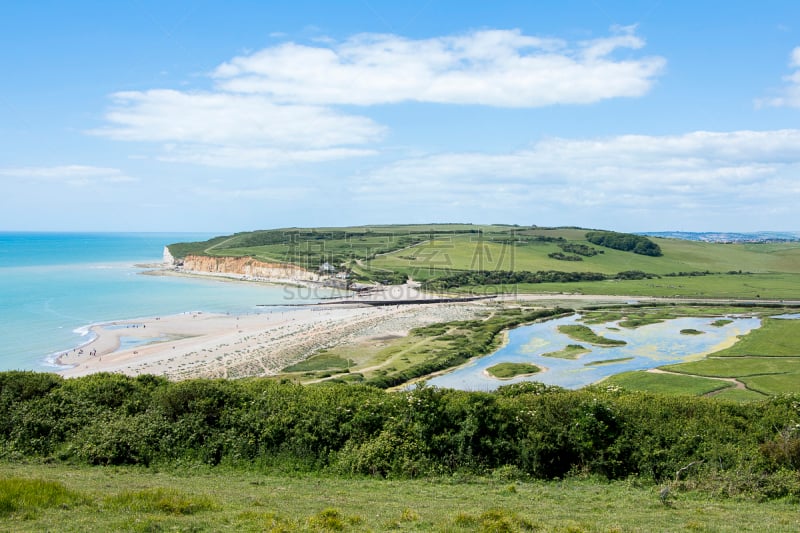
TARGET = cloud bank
x,y
716,172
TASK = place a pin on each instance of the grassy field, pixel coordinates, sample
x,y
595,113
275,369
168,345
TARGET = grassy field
x,y
667,383
766,286
126,499
776,337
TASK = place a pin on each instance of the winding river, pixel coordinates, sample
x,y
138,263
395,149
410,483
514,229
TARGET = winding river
x,y
647,347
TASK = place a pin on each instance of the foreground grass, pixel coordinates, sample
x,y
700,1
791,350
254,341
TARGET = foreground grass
x,y
128,499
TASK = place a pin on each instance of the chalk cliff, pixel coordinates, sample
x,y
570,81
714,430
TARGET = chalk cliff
x,y
247,267
168,259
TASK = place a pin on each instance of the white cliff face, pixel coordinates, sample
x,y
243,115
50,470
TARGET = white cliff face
x,y
168,259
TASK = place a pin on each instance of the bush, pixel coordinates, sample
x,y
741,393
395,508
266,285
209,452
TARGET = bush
x,y
625,242
522,430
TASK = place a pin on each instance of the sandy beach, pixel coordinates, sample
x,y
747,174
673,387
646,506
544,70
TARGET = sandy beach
x,y
194,345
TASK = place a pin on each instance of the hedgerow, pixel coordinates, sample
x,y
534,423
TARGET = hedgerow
x,y
533,430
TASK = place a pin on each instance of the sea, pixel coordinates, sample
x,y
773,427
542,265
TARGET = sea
x,y
54,286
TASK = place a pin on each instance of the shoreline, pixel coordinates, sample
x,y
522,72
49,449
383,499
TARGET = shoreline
x,y
197,344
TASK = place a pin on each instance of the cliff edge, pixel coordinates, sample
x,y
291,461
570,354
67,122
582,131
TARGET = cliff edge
x,y
247,268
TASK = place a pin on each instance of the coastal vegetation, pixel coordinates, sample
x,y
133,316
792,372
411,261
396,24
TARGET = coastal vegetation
x,y
608,361
535,431
570,351
511,370
579,332
439,347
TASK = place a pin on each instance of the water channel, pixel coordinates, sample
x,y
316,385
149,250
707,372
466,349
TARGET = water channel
x,y
647,347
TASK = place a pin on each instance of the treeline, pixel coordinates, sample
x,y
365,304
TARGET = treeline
x,y
506,277
560,256
579,249
625,242
525,431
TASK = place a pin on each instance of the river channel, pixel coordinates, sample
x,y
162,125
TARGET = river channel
x,y
647,347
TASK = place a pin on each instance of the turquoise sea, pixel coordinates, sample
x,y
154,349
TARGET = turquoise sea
x,y
54,285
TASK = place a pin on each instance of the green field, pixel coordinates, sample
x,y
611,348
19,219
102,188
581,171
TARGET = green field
x,y
666,383
776,337
127,499
762,286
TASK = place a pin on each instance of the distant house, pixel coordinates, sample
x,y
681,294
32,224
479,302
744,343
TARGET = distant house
x,y
327,268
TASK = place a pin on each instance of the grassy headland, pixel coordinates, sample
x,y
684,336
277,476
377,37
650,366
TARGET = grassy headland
x,y
478,258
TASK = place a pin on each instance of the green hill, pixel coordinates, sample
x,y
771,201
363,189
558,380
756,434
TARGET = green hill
x,y
442,253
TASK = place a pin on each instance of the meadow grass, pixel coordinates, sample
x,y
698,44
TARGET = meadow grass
x,y
737,367
471,252
774,384
776,337
131,499
666,383
738,395
25,498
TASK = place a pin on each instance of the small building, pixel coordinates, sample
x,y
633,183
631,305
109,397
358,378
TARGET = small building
x,y
327,268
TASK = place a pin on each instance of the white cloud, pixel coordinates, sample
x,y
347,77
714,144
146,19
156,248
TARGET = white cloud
x,y
732,172
789,95
492,67
254,157
255,193
218,118
236,131
75,175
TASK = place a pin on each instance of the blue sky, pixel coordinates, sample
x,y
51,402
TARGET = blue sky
x,y
209,116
